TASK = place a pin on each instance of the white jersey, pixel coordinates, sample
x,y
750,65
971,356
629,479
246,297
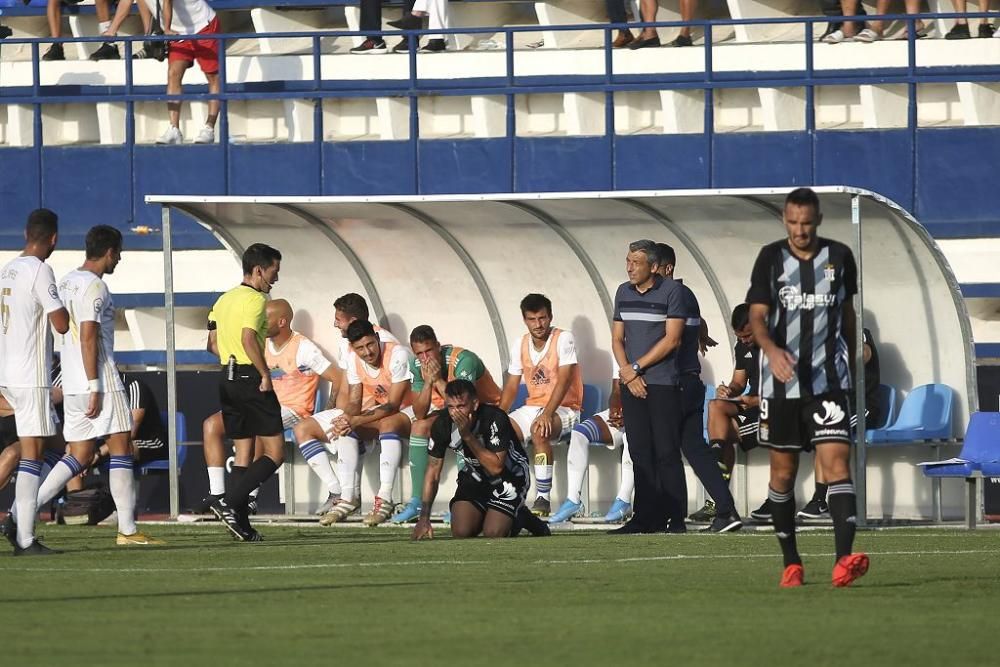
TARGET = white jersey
x,y
344,348
27,296
87,299
189,16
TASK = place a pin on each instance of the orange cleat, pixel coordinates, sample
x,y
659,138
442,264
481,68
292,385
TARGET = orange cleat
x,y
849,568
792,576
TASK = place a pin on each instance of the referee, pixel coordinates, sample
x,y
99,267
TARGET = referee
x,y
646,335
237,328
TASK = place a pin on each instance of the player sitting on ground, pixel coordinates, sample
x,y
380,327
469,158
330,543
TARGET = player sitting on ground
x,y
546,358
296,366
492,483
378,378
433,366
95,403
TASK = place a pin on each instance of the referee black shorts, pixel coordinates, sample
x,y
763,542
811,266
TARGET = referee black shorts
x,y
246,410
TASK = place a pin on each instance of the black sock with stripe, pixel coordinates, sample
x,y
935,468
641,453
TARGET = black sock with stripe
x,y
843,510
783,516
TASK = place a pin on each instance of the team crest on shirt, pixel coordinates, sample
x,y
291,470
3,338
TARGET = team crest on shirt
x,y
539,377
98,304
829,272
53,292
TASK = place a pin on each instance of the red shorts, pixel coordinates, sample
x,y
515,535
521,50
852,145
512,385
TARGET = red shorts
x,y
205,51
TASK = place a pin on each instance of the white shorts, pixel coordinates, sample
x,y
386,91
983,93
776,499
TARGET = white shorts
x,y
289,417
525,415
33,413
115,417
616,433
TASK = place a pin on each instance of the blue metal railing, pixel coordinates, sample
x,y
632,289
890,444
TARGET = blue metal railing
x,y
510,84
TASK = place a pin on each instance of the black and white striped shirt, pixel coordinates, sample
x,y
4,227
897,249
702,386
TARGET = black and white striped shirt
x,y
806,299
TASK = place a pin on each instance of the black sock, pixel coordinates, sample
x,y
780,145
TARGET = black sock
x,y
235,476
718,447
258,472
783,517
820,492
843,509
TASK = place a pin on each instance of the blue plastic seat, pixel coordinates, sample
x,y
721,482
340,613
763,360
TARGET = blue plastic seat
x,y
981,449
593,401
886,400
926,414
181,429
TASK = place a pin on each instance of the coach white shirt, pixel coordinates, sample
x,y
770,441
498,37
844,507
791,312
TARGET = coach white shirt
x,y
27,296
87,299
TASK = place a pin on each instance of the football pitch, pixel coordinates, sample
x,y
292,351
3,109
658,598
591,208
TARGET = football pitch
x,y
364,597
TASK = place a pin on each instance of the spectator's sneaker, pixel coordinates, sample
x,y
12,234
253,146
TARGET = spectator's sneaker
x,y
381,510
141,54
434,46
171,137
705,514
205,506
682,40
792,577
958,31
566,511
814,509
206,136
849,569
986,30
830,29
252,506
541,506
725,523
408,513
340,511
619,511
137,539
9,529
624,38
108,51
371,46
651,43
5,32
404,46
54,53
407,22
331,500
835,37
36,548
230,518
867,36
762,513
535,45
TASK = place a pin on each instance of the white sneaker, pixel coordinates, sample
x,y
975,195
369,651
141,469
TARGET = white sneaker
x,y
867,36
835,37
206,136
171,136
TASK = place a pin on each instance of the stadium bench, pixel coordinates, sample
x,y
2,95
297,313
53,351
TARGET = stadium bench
x,y
924,417
180,428
981,453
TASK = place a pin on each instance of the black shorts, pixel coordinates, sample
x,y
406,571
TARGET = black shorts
x,y
8,431
797,424
746,426
247,411
506,498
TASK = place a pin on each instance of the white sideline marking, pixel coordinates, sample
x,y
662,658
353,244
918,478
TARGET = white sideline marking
x,y
411,563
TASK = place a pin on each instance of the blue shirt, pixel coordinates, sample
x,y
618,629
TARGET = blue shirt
x,y
645,316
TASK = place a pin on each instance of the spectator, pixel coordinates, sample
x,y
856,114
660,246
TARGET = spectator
x,y
436,12
646,336
877,28
688,8
961,28
371,23
831,8
192,17
53,14
648,37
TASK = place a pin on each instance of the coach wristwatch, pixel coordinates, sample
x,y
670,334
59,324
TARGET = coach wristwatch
x,y
637,368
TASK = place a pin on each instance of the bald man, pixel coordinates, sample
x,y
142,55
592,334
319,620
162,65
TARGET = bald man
x,y
296,366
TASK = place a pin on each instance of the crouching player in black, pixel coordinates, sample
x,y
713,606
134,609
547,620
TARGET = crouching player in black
x,y
494,480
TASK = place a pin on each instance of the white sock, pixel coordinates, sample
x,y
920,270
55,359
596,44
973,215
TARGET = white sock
x,y
348,458
577,460
318,459
543,480
26,500
122,483
67,468
628,475
217,480
388,463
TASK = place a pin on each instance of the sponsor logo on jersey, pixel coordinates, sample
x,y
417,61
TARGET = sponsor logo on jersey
x,y
494,435
792,299
539,377
506,491
832,414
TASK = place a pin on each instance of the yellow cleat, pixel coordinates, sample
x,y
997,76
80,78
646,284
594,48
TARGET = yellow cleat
x,y
137,539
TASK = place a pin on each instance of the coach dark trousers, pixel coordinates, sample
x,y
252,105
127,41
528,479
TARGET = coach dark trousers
x,y
653,426
697,452
371,18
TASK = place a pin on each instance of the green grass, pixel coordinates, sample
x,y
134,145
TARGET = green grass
x,y
370,597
